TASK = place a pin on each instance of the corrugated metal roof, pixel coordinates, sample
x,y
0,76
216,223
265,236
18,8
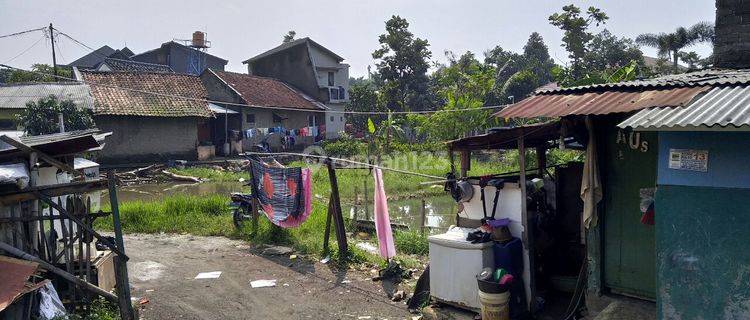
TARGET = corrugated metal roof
x,y
707,77
15,96
605,102
723,107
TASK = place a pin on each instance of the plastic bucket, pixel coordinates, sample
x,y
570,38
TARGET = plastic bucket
x,y
495,305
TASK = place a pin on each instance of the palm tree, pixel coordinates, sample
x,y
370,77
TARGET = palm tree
x,y
670,44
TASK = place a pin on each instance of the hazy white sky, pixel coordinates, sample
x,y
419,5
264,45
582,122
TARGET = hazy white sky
x,y
241,29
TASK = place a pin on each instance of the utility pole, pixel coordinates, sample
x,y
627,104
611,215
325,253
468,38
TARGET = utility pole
x,y
54,60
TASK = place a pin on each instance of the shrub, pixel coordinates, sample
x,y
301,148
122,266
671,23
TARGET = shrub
x,y
345,148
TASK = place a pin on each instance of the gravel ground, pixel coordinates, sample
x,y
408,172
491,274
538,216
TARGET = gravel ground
x,y
163,267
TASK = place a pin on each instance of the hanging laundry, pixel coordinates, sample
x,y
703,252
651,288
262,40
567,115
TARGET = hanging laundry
x,y
292,221
278,190
382,220
303,132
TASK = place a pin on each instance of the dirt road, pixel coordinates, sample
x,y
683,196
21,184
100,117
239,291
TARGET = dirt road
x,y
163,267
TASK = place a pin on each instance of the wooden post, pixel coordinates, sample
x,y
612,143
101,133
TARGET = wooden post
x,y
338,219
465,162
120,262
367,202
541,160
528,228
423,217
327,234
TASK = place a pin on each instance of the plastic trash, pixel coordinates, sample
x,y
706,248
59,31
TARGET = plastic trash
x,y
208,275
50,306
263,283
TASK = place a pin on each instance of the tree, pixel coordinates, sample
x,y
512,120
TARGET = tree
x,y
519,86
464,75
289,36
41,117
362,97
691,58
576,32
670,44
537,59
39,73
402,67
608,52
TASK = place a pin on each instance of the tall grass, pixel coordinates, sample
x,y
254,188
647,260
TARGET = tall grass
x,y
206,215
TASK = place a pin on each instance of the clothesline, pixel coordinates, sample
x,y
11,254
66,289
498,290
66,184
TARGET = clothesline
x,y
364,164
327,111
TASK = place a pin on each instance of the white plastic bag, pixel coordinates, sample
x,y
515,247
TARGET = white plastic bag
x,y
50,306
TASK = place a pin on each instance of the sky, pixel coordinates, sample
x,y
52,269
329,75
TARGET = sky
x,y
239,30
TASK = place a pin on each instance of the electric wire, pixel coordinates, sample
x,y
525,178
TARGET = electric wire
x,y
363,164
167,95
277,108
25,50
22,32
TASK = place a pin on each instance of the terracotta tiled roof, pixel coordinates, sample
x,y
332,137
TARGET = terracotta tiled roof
x,y
120,93
267,92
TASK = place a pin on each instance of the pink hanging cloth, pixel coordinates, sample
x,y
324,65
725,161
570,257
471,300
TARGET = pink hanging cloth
x,y
291,221
382,220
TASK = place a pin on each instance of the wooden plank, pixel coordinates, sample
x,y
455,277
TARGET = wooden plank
x,y
53,191
26,149
465,162
327,233
121,266
67,276
80,224
528,229
338,218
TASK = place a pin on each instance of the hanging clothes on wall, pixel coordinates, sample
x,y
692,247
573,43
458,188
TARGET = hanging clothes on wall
x,y
382,220
279,190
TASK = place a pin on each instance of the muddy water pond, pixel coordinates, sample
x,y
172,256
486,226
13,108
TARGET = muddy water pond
x,y
439,210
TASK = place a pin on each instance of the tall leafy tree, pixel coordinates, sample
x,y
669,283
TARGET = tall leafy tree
x,y
577,35
363,97
670,44
403,61
606,51
537,59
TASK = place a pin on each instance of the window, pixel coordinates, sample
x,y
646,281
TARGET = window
x,y
330,78
311,121
342,119
331,118
250,118
342,93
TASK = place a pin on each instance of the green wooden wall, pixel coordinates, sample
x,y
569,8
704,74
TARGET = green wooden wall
x,y
703,252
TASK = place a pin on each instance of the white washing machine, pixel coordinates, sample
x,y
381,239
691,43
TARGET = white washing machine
x,y
454,264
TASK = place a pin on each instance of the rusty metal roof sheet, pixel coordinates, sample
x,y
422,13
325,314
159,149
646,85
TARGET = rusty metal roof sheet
x,y
14,279
602,102
507,137
726,106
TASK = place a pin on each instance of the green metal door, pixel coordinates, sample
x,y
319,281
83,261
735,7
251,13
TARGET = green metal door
x,y
629,165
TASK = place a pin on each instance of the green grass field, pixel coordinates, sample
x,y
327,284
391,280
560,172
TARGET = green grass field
x,y
210,215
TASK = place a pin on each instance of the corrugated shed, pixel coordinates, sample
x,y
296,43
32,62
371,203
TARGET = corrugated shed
x,y
707,77
15,96
723,107
604,102
147,94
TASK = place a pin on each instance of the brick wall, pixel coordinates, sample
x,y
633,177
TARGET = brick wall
x,y
732,43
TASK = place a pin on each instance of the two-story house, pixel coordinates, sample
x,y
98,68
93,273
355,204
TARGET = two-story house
x,y
313,69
